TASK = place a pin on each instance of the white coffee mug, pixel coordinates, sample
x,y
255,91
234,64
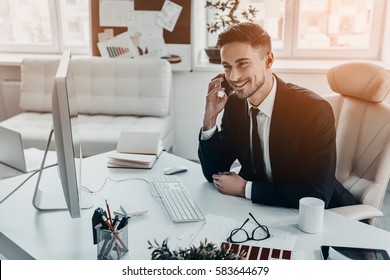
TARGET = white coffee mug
x,y
311,214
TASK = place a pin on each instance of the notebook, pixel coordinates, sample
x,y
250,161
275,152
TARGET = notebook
x,y
136,150
13,154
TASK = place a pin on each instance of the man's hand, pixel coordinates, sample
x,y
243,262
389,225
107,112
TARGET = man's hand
x,y
230,183
214,103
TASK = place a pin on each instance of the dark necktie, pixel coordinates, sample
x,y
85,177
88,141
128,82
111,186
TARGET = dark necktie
x,y
258,160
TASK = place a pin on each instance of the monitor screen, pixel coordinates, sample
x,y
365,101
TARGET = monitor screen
x,y
67,143
67,146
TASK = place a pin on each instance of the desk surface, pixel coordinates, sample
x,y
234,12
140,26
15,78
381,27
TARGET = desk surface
x,y
26,232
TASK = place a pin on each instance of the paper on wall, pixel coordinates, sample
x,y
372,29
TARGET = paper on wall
x,y
169,15
115,12
106,35
146,36
118,46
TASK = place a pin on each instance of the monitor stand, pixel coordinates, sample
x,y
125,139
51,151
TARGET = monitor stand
x,y
54,199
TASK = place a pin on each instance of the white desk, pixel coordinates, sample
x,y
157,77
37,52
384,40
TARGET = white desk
x,y
27,233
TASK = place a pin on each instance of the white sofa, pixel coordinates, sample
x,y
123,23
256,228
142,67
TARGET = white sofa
x,y
113,95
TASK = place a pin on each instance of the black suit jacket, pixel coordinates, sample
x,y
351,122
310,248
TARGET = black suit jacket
x,y
302,149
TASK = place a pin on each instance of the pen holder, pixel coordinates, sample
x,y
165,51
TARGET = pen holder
x,y
111,245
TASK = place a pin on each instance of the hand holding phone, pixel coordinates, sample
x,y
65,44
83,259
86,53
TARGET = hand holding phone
x,y
216,98
225,85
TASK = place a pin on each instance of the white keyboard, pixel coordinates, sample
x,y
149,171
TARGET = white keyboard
x,y
176,199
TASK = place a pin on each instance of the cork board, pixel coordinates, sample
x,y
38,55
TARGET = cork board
x,y
181,34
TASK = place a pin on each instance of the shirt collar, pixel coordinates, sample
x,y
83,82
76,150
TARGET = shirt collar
x,y
267,105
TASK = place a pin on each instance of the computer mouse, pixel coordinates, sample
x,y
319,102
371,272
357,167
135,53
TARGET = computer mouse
x,y
174,169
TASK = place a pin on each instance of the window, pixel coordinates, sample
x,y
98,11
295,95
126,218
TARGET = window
x,y
44,26
271,15
343,28
315,29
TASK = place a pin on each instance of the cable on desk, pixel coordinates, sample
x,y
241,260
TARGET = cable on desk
x,y
28,178
116,182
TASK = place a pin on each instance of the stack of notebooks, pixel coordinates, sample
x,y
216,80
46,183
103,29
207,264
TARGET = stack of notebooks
x,y
136,150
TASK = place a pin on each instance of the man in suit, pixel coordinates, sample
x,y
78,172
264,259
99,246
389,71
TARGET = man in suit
x,y
286,149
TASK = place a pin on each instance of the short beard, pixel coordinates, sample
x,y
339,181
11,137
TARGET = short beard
x,y
252,92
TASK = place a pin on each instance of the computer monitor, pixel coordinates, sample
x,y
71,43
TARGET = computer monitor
x,y
67,146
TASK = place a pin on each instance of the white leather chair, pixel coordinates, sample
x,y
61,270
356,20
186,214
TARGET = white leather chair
x,y
362,135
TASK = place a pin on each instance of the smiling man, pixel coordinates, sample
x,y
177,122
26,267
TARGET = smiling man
x,y
283,135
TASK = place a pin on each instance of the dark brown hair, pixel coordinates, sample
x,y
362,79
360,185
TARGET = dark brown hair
x,y
248,32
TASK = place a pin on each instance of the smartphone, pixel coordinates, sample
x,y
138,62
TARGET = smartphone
x,y
225,84
353,253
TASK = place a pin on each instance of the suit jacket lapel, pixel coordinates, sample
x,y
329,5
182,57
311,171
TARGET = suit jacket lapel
x,y
277,121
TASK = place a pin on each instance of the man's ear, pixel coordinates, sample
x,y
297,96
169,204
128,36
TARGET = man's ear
x,y
269,60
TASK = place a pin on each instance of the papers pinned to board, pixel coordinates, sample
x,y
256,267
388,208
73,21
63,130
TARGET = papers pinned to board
x,y
144,35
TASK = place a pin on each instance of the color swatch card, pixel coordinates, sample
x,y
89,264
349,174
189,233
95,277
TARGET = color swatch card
x,y
251,252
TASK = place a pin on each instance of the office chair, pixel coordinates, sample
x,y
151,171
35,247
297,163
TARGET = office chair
x,y
362,122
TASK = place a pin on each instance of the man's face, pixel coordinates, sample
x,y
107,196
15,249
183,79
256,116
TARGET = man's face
x,y
245,69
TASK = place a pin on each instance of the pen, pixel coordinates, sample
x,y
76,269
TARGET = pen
x,y
115,233
103,249
115,226
110,245
109,212
116,220
101,213
123,222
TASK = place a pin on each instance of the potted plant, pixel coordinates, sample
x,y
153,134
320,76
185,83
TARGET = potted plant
x,y
227,13
205,251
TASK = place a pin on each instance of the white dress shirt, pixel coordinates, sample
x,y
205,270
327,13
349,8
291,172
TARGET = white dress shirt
x,y
264,123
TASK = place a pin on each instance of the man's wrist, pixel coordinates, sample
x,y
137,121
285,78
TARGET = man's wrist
x,y
209,123
248,190
207,134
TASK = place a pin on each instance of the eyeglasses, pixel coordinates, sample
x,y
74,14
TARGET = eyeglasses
x,y
240,235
